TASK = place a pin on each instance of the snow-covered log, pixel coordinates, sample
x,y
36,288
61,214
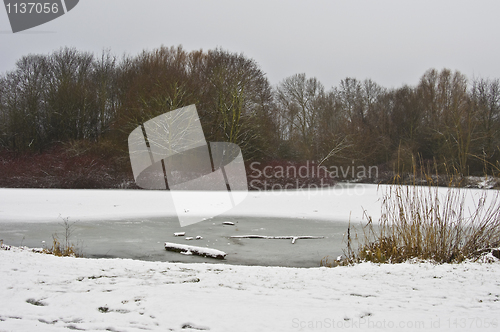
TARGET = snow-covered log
x,y
293,238
200,251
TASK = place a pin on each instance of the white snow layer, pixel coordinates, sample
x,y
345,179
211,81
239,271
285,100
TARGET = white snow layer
x,y
41,292
339,203
89,205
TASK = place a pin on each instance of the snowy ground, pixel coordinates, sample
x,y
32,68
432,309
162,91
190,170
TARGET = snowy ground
x,y
46,293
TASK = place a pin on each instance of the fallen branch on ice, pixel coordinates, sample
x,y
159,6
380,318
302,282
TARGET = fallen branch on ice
x,y
293,238
200,251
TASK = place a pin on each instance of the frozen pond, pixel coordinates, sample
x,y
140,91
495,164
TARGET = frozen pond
x,y
144,239
136,223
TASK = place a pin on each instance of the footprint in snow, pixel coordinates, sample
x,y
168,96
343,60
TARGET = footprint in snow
x,y
194,327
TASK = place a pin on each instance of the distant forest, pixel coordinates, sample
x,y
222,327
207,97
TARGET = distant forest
x,y
71,112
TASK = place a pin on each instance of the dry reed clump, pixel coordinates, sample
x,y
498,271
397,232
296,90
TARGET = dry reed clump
x,y
430,223
66,248
62,250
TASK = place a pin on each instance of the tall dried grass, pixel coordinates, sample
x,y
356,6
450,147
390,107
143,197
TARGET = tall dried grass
x,y
431,223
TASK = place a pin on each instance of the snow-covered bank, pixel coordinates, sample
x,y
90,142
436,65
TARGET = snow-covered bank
x,y
46,293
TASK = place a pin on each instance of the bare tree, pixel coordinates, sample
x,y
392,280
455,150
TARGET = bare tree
x,y
486,103
300,100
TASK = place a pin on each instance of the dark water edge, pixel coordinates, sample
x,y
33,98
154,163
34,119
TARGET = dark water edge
x,y
143,239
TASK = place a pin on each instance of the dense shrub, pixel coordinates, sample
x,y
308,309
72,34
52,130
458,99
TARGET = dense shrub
x,y
60,167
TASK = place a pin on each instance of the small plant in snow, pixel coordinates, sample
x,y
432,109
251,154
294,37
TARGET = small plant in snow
x,y
65,247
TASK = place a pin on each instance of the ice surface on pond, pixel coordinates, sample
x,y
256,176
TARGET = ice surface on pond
x,y
136,223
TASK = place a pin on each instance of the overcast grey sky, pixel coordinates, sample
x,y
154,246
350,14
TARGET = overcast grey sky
x,y
391,42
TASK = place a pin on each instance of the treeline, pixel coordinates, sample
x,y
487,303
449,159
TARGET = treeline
x,y
72,96
446,120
